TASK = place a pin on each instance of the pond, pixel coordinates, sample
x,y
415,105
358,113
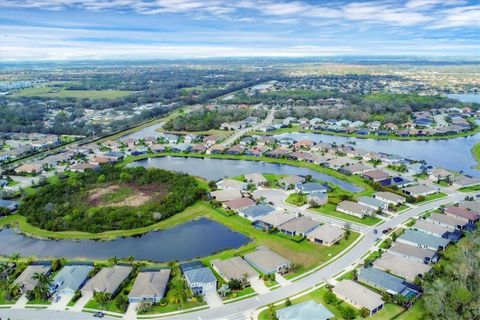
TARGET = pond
x,y
465,97
197,238
452,154
215,169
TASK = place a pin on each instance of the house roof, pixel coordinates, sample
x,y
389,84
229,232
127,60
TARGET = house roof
x,y
326,232
191,265
431,227
265,259
403,267
381,279
226,195
150,283
8,204
354,207
231,184
299,225
108,279
390,196
449,220
240,203
258,210
371,201
473,206
462,213
234,268
25,278
71,277
412,251
305,311
376,174
277,218
424,239
358,294
200,275
292,179
419,189
358,167
311,187
255,178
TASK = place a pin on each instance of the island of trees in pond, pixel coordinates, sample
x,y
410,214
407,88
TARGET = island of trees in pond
x,y
110,198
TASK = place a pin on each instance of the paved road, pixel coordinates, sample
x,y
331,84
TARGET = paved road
x,y
238,133
44,314
244,308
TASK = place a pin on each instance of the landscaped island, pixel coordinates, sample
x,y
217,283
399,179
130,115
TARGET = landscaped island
x,y
110,198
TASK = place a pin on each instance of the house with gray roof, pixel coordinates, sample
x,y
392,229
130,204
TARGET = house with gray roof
x,y
107,280
291,180
226,195
317,198
419,190
310,187
234,268
71,278
384,281
255,212
358,296
431,228
274,220
449,221
373,203
412,252
267,261
327,234
231,184
200,280
9,205
390,198
149,286
401,266
354,209
305,311
25,279
256,178
299,226
423,240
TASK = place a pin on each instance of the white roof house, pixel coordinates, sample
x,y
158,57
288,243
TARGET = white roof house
x,y
149,286
326,234
403,267
234,268
358,295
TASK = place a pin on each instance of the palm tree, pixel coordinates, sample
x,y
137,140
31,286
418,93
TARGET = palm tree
x,y
14,257
44,283
4,275
14,291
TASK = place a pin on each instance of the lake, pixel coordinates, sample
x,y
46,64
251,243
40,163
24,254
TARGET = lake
x,y
465,97
197,238
215,169
450,154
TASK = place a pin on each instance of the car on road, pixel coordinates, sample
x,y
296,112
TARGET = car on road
x,y
98,314
477,195
385,231
375,231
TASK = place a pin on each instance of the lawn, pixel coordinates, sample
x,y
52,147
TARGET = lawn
x,y
471,188
388,312
79,94
329,209
297,199
432,197
2,298
414,313
241,293
476,154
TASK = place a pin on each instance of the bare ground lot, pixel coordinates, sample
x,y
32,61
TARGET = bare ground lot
x,y
129,195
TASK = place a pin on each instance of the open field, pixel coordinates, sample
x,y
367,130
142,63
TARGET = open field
x,y
79,94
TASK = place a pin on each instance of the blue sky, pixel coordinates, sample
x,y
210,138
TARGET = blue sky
x,y
150,29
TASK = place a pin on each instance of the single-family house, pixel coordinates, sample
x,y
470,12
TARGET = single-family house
x,y
465,181
375,175
81,167
358,296
310,187
273,220
354,209
107,280
253,213
419,190
373,203
299,226
357,168
431,228
462,213
401,266
26,281
239,204
386,282
236,149
308,310
439,174
181,147
234,269
390,198
199,148
446,220
150,285
200,280
29,168
71,278
317,198
326,234
217,149
256,178
231,184
226,194
9,205
423,240
291,181
267,261
412,252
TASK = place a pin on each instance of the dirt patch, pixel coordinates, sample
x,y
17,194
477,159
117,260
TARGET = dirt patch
x,y
129,195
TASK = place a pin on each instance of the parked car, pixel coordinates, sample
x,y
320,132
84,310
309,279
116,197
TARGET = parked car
x,y
387,230
375,231
56,299
98,314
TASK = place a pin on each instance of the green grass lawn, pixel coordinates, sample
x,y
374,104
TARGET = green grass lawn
x,y
471,189
432,197
79,94
476,154
297,199
240,293
329,209
36,301
156,309
2,298
414,313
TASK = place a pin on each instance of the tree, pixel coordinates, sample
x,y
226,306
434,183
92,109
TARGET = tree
x,y
272,312
348,313
288,303
364,312
330,297
308,178
14,257
14,291
44,282
348,228
102,298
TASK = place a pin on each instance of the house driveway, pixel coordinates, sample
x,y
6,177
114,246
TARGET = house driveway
x,y
21,303
62,303
213,299
281,280
131,313
259,286
82,301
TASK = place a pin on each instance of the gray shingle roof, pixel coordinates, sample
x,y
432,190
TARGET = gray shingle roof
x,y
150,284
381,280
108,279
258,210
71,277
424,239
200,275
